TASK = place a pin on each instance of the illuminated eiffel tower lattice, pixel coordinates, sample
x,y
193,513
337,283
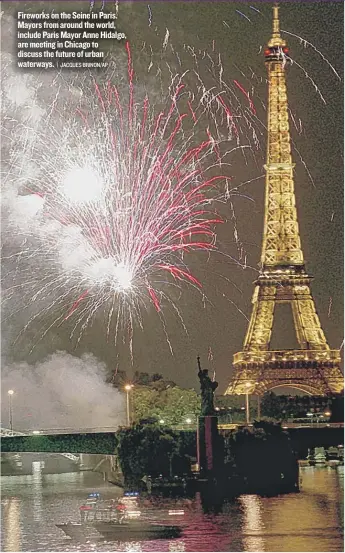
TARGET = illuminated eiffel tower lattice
x,y
313,368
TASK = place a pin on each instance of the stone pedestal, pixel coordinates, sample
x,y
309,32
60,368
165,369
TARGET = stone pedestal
x,y
208,444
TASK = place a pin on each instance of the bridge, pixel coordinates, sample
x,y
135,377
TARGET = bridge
x,y
6,433
286,426
67,442
70,443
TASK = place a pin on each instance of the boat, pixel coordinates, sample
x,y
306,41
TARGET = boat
x,y
137,529
115,519
79,531
320,456
161,484
335,456
126,531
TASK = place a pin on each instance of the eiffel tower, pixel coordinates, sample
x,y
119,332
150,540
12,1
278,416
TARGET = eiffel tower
x,y
314,368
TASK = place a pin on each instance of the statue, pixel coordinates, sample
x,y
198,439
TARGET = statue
x,y
208,388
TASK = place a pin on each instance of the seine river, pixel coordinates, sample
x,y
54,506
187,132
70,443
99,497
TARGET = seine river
x,y
308,521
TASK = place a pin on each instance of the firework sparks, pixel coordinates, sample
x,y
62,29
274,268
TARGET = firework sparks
x,y
150,14
307,76
330,306
255,9
247,95
243,15
118,196
307,43
166,39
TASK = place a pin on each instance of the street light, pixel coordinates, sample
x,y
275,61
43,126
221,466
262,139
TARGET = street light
x,y
248,385
10,409
128,388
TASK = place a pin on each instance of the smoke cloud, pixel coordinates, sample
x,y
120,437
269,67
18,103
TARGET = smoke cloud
x,y
61,392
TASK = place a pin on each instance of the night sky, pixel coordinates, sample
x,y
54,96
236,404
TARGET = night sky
x,y
219,323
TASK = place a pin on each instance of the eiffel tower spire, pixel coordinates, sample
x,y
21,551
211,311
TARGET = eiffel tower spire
x,y
314,368
276,39
281,243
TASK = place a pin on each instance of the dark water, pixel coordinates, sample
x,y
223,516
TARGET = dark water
x,y
308,521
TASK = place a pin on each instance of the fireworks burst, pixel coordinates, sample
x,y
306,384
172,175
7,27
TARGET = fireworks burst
x,y
115,195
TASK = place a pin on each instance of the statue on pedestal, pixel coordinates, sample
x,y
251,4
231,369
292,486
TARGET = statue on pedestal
x,y
208,388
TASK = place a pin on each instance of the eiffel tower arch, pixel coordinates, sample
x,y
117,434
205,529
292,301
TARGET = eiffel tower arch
x,y
314,368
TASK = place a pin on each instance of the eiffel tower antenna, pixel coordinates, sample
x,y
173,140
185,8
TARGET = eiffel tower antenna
x,y
276,27
313,368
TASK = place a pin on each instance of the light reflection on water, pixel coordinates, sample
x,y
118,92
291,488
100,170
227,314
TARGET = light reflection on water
x,y
253,526
37,489
308,521
11,530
